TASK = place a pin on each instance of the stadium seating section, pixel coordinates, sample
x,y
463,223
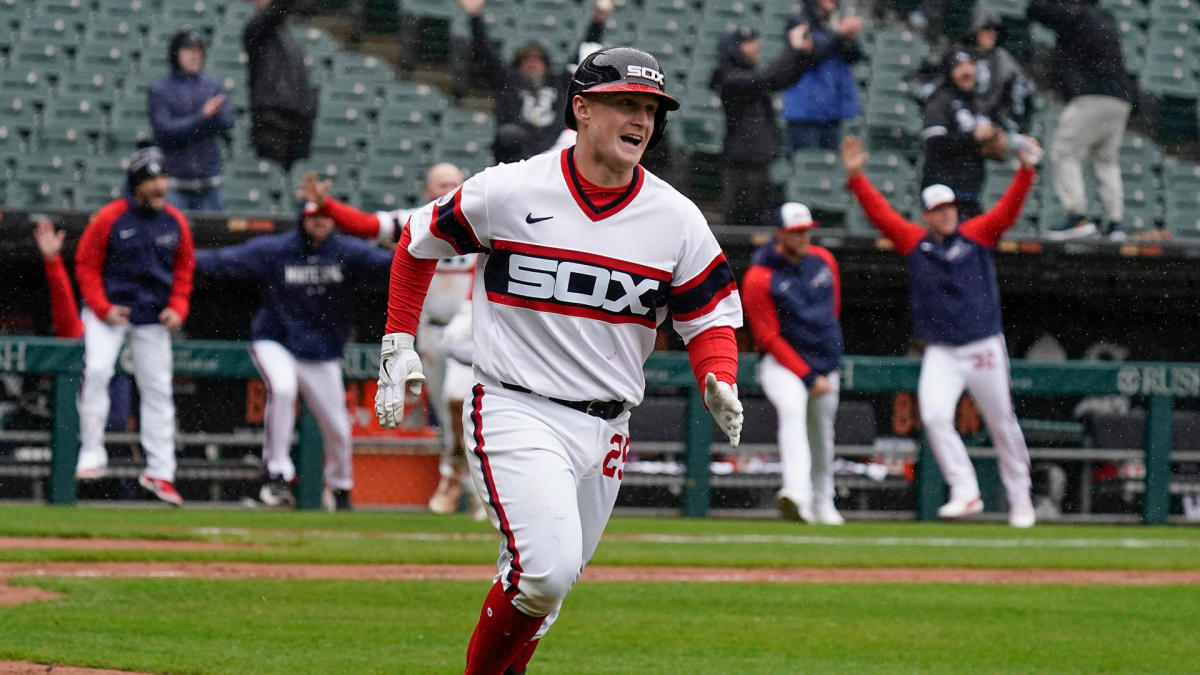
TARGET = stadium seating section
x,y
75,73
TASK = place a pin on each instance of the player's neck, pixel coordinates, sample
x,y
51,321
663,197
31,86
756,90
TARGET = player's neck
x,y
602,171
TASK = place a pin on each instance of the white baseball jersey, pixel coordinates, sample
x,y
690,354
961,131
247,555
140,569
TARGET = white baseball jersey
x,y
451,280
570,295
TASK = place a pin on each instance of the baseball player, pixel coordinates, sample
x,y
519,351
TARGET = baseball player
x,y
449,379
793,297
134,269
307,280
582,255
956,313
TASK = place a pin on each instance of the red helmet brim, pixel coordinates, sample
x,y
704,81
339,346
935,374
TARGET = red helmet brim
x,y
668,103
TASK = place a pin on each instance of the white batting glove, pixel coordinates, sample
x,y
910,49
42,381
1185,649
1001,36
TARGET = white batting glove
x,y
399,369
726,409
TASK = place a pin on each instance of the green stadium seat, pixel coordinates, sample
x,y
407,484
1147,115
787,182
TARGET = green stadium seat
x,y
1175,10
195,14
1133,11
363,95
409,123
107,59
1008,9
1172,53
894,177
326,168
1142,211
436,9
401,148
412,96
379,193
90,196
92,84
1168,79
471,156
893,122
54,195
66,138
1181,175
43,58
461,125
79,108
364,68
59,31
823,194
70,9
12,142
1175,32
123,136
140,11
251,200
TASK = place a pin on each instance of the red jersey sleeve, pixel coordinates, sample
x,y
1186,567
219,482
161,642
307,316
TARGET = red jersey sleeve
x,y
407,287
351,220
714,350
902,233
764,320
90,256
987,229
64,312
185,267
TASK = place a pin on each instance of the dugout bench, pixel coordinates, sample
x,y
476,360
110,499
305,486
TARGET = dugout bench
x,y
1161,384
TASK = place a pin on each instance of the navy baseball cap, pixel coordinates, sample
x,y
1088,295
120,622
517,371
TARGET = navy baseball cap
x,y
144,164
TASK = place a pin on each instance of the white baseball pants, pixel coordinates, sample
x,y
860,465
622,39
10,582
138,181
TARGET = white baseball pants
x,y
321,385
982,368
150,345
549,475
805,431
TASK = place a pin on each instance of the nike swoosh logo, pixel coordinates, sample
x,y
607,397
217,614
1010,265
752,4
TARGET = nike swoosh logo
x,y
531,220
125,234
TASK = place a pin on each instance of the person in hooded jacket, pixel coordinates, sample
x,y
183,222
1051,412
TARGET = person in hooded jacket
x,y
1004,90
307,280
283,103
957,134
530,93
189,111
826,93
134,268
751,130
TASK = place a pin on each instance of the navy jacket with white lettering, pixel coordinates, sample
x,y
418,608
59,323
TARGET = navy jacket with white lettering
x,y
307,293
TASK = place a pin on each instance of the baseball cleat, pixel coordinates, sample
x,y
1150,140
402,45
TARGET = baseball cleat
x,y
1022,516
960,508
163,489
275,492
827,514
445,497
475,507
336,499
799,510
91,473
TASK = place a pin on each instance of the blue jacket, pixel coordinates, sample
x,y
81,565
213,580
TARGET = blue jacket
x,y
307,293
795,308
827,91
187,138
137,257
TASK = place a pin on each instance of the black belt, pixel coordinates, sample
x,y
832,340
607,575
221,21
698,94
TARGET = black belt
x,y
605,410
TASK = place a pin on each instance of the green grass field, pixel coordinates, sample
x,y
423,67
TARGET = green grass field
x,y
421,626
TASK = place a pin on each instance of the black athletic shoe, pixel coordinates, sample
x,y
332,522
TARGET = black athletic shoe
x,y
276,492
335,499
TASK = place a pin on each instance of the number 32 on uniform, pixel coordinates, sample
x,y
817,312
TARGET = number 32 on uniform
x,y
614,461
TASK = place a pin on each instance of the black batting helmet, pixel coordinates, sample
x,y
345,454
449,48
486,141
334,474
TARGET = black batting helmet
x,y
622,69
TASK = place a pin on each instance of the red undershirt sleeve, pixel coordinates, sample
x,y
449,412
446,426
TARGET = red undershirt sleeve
x,y
64,312
714,351
764,320
351,220
903,234
407,288
988,228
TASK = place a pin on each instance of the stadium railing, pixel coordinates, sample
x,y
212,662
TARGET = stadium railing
x,y
1161,384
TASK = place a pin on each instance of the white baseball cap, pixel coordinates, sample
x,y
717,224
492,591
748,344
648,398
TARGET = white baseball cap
x,y
794,216
936,195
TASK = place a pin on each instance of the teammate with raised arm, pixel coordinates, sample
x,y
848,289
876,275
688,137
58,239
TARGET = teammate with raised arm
x,y
447,303
583,252
956,314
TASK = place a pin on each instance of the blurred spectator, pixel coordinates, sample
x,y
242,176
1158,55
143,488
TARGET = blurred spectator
x,y
189,111
825,94
530,92
957,135
1089,70
134,268
751,127
1003,89
283,104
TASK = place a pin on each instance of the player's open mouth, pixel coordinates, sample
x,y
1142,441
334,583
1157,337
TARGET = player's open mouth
x,y
632,139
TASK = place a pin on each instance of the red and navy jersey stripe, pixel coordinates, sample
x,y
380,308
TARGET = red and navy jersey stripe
x,y
574,283
701,294
449,224
489,483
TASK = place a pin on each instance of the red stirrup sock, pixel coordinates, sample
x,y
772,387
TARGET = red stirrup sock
x,y
521,662
501,634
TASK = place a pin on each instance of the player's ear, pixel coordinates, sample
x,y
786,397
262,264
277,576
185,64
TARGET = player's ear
x,y
579,106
